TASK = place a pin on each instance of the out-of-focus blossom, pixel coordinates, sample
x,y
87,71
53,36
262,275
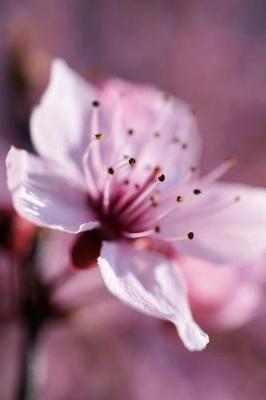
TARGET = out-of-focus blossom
x,y
119,165
224,298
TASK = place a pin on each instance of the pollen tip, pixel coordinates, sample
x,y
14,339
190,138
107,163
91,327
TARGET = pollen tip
x,y
180,199
130,131
197,191
190,235
99,136
132,161
95,103
157,229
161,178
231,161
166,96
111,171
157,169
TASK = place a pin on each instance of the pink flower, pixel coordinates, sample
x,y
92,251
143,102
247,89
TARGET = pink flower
x,y
230,297
120,164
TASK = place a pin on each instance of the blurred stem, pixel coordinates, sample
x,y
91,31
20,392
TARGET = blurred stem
x,y
26,384
35,311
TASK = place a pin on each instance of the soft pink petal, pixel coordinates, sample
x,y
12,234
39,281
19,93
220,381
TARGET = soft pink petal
x,y
156,124
152,284
226,230
60,123
229,297
44,196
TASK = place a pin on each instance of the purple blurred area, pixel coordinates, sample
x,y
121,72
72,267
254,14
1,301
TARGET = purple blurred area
x,y
211,54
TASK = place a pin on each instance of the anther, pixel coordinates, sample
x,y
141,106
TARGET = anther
x,y
98,136
157,229
157,170
237,199
197,191
137,186
95,103
190,235
130,131
166,96
230,160
176,140
193,169
184,146
161,178
154,203
126,157
156,134
180,199
132,161
126,182
111,171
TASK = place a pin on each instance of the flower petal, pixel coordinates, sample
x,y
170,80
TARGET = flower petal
x,y
229,224
44,196
152,284
59,124
166,123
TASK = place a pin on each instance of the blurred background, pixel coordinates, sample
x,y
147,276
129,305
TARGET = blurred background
x,y
210,54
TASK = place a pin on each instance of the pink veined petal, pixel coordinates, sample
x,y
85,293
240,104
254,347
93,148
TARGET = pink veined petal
x,y
60,123
168,127
44,196
229,225
152,284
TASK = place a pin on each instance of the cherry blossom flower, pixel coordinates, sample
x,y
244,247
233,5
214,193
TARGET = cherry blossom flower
x,y
229,298
119,166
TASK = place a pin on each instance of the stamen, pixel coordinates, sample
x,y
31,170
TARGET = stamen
x,y
161,178
111,171
132,162
166,96
218,172
95,103
197,191
180,199
231,160
90,181
190,235
136,235
96,155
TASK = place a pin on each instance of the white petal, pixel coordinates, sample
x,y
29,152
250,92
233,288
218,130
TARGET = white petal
x,y
44,196
59,124
225,230
152,284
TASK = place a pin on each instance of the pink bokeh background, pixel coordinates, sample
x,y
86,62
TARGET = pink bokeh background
x,y
210,54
